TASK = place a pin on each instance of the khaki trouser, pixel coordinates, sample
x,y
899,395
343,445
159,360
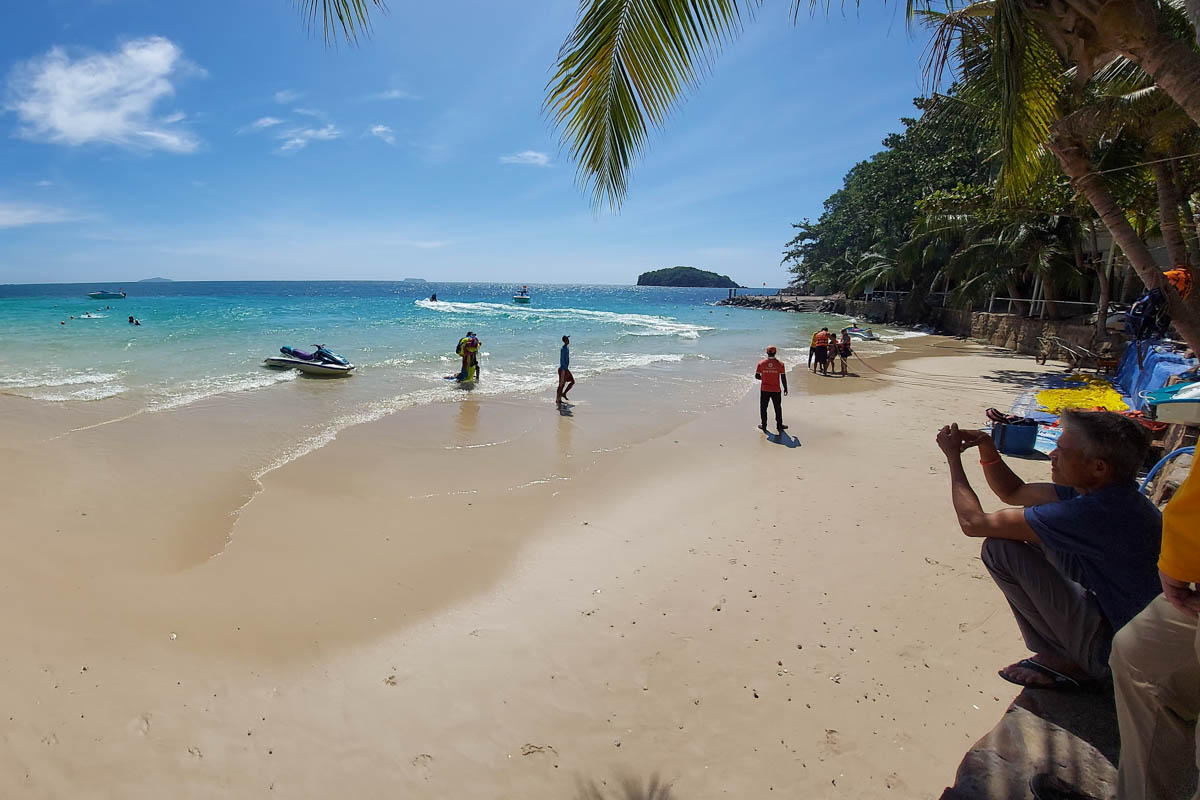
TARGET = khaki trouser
x,y
1056,615
1156,675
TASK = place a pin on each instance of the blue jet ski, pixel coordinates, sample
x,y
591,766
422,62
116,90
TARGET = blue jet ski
x,y
320,361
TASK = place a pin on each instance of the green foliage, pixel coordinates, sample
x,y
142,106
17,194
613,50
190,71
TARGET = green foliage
x,y
686,276
878,201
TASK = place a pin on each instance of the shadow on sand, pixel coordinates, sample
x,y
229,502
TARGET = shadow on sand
x,y
625,788
780,438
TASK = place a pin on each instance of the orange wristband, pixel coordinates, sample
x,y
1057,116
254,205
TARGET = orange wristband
x,y
995,460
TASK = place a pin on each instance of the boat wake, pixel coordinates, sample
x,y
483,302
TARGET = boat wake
x,y
636,324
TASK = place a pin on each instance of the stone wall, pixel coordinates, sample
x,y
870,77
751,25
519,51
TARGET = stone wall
x,y
1010,331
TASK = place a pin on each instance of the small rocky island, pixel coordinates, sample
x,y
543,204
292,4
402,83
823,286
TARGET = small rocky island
x,y
686,276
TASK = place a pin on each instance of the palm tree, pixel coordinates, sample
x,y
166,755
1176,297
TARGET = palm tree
x,y
1040,103
351,17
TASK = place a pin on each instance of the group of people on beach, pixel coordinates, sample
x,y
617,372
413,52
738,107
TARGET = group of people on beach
x,y
1102,588
825,346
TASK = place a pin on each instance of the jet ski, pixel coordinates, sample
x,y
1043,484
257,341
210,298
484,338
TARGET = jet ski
x,y
865,334
320,361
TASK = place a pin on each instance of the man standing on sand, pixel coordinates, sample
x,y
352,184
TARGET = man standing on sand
x,y
822,350
1078,561
770,372
566,381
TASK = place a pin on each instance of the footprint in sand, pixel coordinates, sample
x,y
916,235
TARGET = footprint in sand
x,y
140,725
423,763
528,749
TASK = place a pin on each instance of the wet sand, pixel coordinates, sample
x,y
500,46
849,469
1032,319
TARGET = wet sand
x,y
488,599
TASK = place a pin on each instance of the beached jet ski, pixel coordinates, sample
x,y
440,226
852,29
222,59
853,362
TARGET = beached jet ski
x,y
320,361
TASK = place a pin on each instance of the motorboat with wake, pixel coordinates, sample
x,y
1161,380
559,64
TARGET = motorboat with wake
x,y
320,361
522,296
107,295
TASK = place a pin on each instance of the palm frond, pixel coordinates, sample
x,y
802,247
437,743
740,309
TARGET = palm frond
x,y
352,17
623,68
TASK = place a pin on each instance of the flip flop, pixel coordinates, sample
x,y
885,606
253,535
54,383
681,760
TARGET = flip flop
x,y
1058,681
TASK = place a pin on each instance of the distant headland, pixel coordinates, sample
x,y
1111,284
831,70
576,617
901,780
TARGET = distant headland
x,y
686,276
155,280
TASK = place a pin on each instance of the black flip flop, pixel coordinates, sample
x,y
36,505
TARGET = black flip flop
x,y
1058,681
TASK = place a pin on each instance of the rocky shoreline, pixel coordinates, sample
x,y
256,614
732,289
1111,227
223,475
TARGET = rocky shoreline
x,y
786,302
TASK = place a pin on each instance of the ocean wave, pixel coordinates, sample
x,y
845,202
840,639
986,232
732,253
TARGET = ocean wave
x,y
193,391
642,324
90,393
54,380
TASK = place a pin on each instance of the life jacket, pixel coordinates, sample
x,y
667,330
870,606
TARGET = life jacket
x,y
468,345
822,338
1147,318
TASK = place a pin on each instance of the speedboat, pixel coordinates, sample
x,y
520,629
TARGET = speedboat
x,y
522,296
320,361
107,295
865,334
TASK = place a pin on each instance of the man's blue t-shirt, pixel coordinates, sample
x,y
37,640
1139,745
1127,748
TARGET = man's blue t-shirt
x,y
564,358
1107,541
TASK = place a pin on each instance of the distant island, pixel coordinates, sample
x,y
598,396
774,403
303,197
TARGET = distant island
x,y
686,276
155,280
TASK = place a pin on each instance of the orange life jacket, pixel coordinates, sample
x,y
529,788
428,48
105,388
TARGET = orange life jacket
x,y
822,339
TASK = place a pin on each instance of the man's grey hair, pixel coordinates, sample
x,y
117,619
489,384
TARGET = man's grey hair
x,y
1116,440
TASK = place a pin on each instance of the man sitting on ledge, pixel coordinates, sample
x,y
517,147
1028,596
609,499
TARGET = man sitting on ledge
x,y
1079,560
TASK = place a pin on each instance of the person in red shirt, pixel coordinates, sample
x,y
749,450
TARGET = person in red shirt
x,y
770,372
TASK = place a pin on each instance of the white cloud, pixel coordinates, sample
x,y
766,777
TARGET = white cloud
x,y
265,122
530,158
15,215
383,132
44,184
395,94
286,96
424,244
311,112
298,138
106,97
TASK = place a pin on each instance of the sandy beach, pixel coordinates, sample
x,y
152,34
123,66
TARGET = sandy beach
x,y
490,599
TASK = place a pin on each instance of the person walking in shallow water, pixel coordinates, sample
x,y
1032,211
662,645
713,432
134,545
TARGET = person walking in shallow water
x,y
770,371
566,381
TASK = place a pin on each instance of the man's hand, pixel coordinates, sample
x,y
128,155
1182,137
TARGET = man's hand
x,y
971,438
950,440
1180,594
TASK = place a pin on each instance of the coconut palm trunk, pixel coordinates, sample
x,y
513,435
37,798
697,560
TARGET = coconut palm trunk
x,y
1190,234
1168,212
1134,27
1077,165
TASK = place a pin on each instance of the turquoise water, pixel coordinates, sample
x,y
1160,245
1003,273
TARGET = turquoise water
x,y
197,340
200,347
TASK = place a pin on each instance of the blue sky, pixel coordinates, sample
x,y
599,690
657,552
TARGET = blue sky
x,y
221,141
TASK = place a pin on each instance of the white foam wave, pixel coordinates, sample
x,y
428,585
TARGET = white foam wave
x,y
642,324
54,380
892,336
89,393
194,391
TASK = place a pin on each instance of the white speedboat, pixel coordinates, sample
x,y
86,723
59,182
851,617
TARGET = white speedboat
x,y
107,295
522,296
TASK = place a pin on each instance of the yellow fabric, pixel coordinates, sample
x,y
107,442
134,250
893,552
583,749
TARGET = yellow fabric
x,y
1181,532
1095,393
